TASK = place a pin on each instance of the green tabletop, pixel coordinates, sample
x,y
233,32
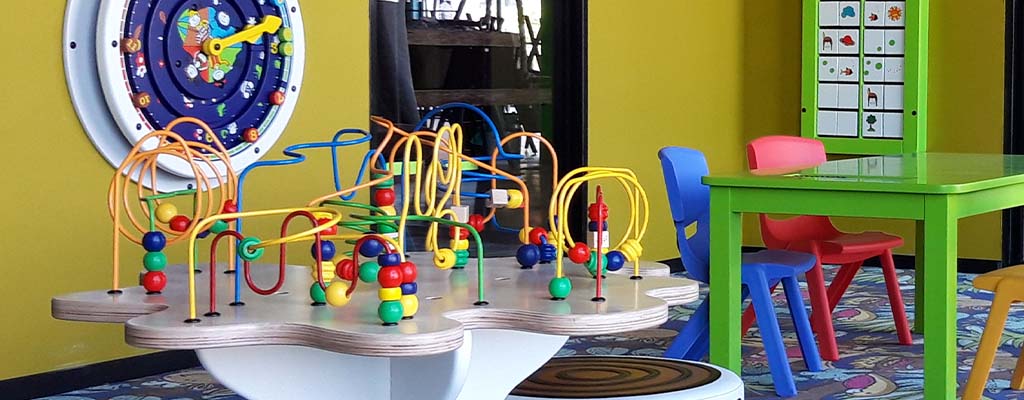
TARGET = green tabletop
x,y
934,189
907,173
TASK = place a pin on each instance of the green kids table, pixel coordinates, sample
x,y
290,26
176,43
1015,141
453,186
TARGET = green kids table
x,y
934,189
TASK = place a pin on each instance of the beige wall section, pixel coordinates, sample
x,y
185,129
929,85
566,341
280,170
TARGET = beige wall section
x,y
57,232
667,73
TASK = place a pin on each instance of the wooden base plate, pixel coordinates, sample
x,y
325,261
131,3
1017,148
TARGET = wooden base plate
x,y
517,299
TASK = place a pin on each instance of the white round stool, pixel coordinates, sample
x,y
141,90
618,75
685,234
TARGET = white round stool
x,y
628,378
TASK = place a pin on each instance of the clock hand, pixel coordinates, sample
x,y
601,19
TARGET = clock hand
x,y
251,34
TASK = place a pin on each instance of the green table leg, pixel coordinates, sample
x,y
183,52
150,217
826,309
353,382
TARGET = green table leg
x,y
919,279
726,234
939,275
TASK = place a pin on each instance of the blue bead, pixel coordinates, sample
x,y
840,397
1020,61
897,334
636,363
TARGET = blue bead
x,y
547,252
528,255
409,288
371,248
389,260
615,260
327,250
203,234
154,241
592,226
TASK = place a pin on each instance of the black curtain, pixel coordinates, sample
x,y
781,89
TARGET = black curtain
x,y
391,91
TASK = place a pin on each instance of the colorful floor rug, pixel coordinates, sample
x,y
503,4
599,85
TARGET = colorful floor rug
x,y
872,364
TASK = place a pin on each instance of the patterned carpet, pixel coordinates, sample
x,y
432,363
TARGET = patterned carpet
x,y
872,365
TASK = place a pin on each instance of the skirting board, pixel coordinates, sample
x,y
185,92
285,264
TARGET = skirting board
x,y
62,381
964,265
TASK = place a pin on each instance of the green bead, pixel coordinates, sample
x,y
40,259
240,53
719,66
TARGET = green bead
x,y
592,263
461,258
368,271
286,34
390,312
218,227
560,287
317,293
154,261
245,250
286,49
386,184
384,228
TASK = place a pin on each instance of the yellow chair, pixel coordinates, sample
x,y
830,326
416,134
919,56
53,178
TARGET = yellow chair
x,y
1008,286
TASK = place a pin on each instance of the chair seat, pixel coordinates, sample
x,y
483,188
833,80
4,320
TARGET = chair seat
x,y
864,242
778,263
991,280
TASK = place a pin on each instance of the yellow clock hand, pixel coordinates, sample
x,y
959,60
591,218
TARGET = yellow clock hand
x,y
251,34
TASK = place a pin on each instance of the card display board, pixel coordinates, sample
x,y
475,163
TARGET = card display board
x,y
865,75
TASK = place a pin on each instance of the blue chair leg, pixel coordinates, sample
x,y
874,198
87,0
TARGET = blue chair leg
x,y
803,325
701,347
771,335
685,343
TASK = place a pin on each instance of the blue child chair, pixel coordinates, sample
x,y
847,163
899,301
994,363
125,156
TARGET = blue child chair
x,y
690,202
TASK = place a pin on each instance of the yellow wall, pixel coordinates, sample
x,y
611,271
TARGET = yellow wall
x,y
713,75
667,73
55,182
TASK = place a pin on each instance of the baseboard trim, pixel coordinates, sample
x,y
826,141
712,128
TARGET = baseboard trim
x,y
63,381
965,265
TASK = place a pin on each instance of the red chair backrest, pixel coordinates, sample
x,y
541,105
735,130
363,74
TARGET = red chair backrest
x,y
790,153
785,154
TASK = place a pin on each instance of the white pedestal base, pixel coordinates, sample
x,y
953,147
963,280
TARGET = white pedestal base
x,y
489,365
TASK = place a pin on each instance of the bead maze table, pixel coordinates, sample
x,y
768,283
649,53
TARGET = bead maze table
x,y
451,349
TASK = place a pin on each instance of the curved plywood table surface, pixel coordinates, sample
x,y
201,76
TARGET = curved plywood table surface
x,y
451,349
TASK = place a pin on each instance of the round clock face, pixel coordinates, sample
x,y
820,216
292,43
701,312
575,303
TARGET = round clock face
x,y
234,64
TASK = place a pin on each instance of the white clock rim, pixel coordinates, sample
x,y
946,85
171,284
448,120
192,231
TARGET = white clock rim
x,y
83,83
110,64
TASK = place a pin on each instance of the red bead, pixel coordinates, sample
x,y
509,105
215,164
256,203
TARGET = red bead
x,y
477,222
579,253
180,223
389,277
277,98
463,232
408,272
384,197
346,269
536,233
229,208
154,281
251,135
592,212
329,231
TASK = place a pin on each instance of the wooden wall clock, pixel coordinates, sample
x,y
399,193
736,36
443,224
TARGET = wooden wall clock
x,y
133,66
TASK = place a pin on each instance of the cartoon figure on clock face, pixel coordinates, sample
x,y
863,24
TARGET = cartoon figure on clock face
x,y
226,62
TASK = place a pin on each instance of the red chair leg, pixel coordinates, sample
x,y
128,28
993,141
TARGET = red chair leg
x,y
892,285
821,315
841,282
749,316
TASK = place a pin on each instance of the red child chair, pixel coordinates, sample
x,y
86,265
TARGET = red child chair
x,y
817,235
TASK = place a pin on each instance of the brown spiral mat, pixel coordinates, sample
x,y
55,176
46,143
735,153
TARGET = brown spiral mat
x,y
597,377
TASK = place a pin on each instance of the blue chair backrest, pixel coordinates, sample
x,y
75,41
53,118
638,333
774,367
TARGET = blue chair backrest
x,y
690,202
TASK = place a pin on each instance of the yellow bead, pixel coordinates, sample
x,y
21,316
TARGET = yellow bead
x,y
388,210
165,212
410,304
389,294
328,268
444,258
515,198
460,244
524,235
336,294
